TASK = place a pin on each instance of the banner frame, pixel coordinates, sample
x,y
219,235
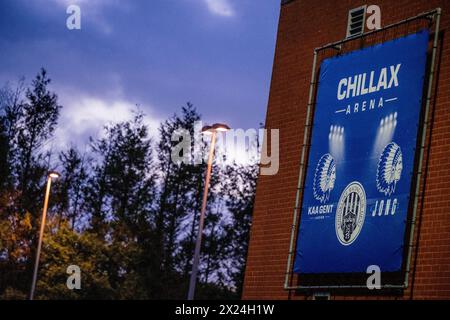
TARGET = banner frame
x,y
433,16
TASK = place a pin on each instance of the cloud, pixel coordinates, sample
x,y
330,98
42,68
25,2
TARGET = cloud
x,y
85,116
220,7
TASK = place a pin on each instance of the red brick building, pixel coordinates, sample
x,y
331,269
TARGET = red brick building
x,y
303,26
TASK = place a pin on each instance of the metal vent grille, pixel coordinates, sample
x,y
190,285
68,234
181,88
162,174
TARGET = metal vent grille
x,y
356,21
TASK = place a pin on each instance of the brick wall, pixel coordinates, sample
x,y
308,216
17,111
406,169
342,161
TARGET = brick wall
x,y
304,25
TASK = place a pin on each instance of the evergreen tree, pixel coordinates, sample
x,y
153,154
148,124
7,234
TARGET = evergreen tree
x,y
36,125
179,203
240,190
121,197
69,190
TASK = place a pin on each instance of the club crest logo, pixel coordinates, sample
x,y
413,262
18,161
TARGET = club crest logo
x,y
324,178
350,213
389,169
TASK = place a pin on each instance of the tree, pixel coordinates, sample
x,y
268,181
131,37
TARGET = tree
x,y
28,123
35,127
121,196
179,202
11,105
70,187
15,250
4,150
240,192
64,247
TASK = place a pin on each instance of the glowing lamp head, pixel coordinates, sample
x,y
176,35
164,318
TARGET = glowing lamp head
x,y
221,127
217,127
54,175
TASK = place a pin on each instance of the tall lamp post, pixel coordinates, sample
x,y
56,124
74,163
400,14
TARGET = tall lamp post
x,y
51,175
212,131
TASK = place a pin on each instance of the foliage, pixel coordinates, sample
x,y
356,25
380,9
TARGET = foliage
x,y
123,211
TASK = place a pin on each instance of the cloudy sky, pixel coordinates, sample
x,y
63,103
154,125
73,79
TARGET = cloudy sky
x,y
157,54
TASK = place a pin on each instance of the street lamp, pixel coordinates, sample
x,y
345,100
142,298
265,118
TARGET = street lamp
x,y
208,130
51,175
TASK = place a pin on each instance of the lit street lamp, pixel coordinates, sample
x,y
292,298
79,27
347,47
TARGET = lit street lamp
x,y
209,130
51,175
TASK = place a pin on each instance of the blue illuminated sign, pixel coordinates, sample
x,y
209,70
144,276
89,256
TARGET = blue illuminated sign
x,y
361,160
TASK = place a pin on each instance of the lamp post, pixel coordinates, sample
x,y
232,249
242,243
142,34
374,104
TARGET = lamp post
x,y
51,175
209,130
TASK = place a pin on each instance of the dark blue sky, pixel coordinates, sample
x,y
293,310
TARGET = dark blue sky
x,y
159,54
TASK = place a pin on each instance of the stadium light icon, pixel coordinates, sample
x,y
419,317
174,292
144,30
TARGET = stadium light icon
x,y
336,141
385,132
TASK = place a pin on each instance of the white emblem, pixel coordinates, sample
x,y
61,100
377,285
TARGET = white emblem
x,y
350,213
389,169
324,178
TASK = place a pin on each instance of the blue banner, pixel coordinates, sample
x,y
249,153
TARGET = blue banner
x,y
361,161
